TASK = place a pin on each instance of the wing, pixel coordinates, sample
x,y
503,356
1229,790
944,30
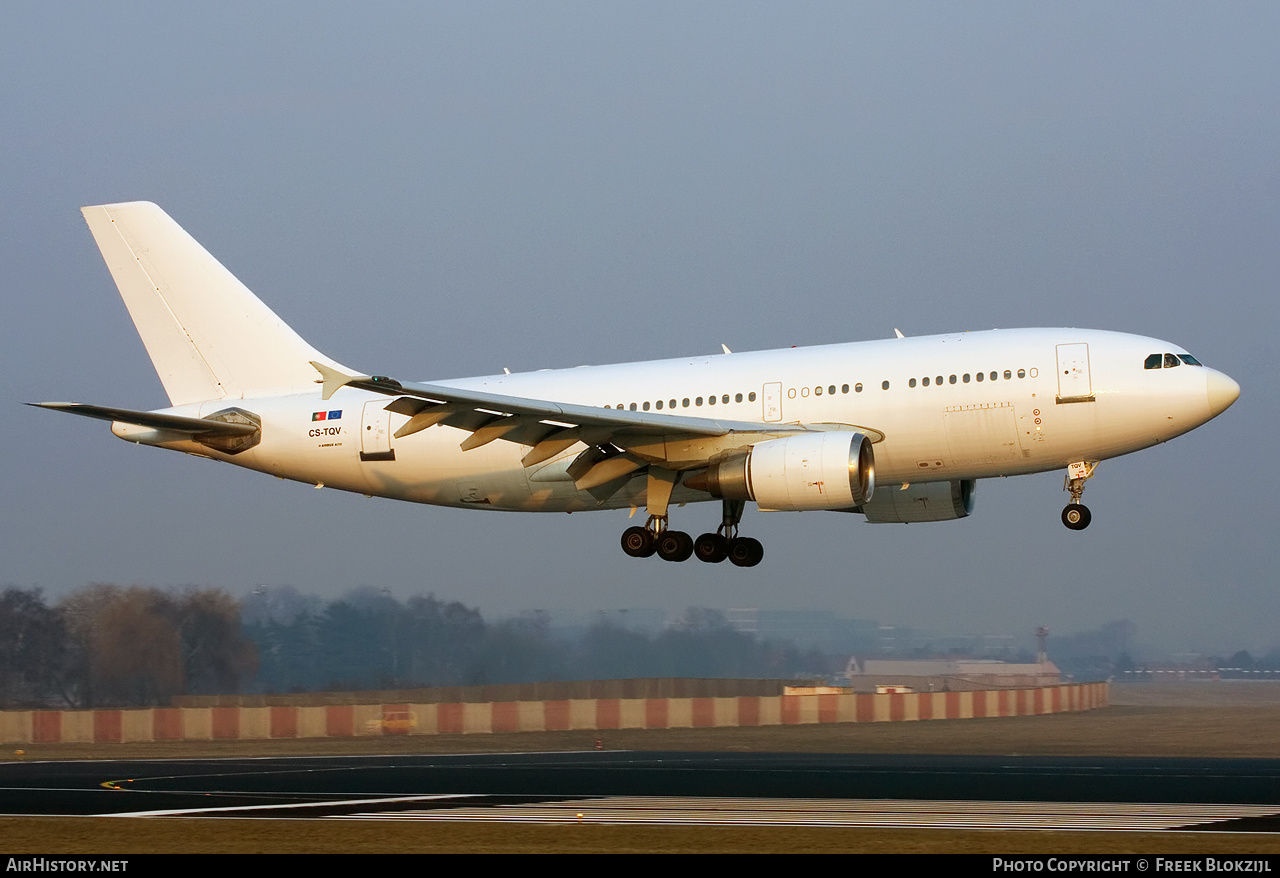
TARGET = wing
x,y
619,441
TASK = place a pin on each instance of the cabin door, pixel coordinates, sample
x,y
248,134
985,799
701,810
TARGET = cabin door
x,y
375,432
1074,383
772,401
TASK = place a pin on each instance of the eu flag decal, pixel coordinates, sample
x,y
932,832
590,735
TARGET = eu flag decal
x,y
335,415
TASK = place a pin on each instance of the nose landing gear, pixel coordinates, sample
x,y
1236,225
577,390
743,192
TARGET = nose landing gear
x,y
1076,515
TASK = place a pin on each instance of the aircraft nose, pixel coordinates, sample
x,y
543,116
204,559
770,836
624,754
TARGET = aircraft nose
x,y
1222,392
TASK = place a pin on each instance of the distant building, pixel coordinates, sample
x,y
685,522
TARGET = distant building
x,y
949,675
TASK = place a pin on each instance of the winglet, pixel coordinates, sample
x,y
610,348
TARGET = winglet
x,y
334,380
898,332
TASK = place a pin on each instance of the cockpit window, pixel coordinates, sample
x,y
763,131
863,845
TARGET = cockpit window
x,y
1189,360
1155,361
1171,360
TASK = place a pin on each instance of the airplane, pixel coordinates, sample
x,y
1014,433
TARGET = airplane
x,y
898,429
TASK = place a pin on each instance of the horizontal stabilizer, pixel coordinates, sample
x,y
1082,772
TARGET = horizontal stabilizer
x,y
154,420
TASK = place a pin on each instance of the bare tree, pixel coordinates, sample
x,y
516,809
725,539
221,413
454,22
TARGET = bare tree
x,y
33,650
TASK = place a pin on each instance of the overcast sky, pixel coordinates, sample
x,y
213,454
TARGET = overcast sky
x,y
435,191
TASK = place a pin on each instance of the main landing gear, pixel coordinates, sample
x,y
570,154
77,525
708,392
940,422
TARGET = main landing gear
x,y
674,545
1076,515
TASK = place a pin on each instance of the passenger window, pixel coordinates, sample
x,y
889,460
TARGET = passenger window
x,y
831,390
711,400
979,376
1022,373
965,378
685,402
925,381
633,406
671,404
953,379
1171,360
1007,374
938,380
857,388
658,405
995,375
751,397
737,397
725,399
884,385
645,406
817,391
844,388
911,383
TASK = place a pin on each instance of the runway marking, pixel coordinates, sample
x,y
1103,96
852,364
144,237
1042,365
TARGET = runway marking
x,y
339,803
877,813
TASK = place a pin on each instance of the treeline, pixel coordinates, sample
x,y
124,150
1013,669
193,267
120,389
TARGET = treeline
x,y
370,640
120,647
111,646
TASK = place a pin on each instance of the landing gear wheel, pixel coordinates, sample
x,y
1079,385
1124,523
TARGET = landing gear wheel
x,y
637,542
1076,516
745,552
712,548
673,545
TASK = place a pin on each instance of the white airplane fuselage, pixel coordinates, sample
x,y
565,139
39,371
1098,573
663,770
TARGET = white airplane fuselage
x,y
813,428
1057,396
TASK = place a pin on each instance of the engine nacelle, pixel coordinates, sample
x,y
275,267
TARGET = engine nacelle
x,y
926,501
832,470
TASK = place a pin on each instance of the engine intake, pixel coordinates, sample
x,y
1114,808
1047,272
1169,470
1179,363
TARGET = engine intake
x,y
834,470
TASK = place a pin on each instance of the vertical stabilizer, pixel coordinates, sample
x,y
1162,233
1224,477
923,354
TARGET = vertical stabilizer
x,y
208,336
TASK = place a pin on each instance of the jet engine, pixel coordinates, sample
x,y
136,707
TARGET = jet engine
x,y
831,470
926,501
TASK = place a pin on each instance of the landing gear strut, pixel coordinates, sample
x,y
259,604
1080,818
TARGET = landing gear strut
x,y
1076,515
674,545
725,542
655,537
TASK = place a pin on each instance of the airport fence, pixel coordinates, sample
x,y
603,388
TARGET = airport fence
x,y
587,714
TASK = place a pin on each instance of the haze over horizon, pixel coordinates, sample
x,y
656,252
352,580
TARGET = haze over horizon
x,y
438,190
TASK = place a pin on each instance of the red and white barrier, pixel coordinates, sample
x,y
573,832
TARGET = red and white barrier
x,y
593,714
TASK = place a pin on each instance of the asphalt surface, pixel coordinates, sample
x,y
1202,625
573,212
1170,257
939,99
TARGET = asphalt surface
x,y
334,786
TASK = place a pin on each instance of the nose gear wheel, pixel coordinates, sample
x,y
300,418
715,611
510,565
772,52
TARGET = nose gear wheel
x,y
1076,515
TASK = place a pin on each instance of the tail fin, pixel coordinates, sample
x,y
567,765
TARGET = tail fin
x,y
208,336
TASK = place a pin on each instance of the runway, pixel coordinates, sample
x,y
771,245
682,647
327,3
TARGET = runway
x,y
619,787
879,814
